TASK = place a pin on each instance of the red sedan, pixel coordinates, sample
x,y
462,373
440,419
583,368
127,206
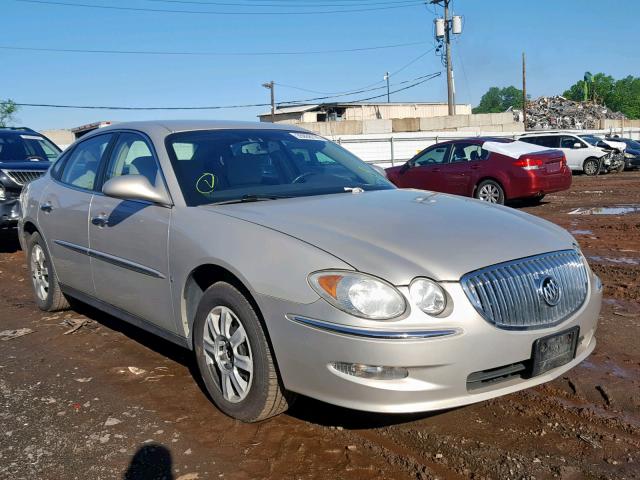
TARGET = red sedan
x,y
490,169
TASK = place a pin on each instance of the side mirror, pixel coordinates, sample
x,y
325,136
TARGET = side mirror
x,y
406,167
577,145
135,187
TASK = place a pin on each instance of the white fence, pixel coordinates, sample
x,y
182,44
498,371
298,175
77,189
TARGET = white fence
x,y
393,149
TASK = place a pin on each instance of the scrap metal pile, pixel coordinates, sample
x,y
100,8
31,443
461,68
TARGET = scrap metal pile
x,y
558,112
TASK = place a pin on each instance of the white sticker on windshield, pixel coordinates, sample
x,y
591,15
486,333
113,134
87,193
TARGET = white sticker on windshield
x,y
305,136
30,137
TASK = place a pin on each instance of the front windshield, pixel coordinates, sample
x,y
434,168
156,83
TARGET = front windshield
x,y
226,165
19,147
630,143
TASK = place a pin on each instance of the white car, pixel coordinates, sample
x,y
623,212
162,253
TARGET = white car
x,y
581,155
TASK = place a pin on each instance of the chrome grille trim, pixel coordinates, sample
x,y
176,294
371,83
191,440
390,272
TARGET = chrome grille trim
x,y
507,295
22,177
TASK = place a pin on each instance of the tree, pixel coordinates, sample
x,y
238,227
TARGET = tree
x,y
8,108
498,100
600,89
618,95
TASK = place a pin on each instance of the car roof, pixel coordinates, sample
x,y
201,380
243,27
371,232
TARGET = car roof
x,y
549,134
173,126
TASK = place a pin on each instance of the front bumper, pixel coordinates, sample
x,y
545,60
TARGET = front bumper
x,y
632,163
9,212
438,366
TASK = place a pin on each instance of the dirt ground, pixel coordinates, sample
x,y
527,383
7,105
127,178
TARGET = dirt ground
x,y
110,401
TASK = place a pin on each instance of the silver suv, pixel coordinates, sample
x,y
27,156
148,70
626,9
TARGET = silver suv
x,y
288,265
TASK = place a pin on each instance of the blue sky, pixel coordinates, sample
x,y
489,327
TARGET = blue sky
x,y
562,39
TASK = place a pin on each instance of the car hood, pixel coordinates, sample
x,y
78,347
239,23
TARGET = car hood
x,y
22,165
401,234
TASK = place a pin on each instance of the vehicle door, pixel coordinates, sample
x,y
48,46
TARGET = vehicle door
x,y
64,212
129,239
465,166
575,155
425,170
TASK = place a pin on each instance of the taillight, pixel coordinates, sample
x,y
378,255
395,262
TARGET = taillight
x,y
529,163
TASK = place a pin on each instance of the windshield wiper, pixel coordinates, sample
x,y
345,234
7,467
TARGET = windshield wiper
x,y
250,197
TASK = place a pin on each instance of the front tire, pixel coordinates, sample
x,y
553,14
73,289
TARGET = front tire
x,y
591,166
46,288
234,357
490,191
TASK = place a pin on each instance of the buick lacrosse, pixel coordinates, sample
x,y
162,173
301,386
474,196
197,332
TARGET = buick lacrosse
x,y
290,266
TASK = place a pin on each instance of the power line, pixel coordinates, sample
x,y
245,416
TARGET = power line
x,y
407,65
224,54
215,107
291,4
209,12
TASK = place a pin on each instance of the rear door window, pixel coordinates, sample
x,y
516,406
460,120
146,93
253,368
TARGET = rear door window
x,y
468,152
82,166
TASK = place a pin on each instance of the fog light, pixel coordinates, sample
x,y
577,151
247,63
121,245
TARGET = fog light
x,y
370,371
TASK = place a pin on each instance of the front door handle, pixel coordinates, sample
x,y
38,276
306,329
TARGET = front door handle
x,y
100,221
46,207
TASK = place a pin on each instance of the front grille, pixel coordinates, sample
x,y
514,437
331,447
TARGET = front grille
x,y
22,177
511,295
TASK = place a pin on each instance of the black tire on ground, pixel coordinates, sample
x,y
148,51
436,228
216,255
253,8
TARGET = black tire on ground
x,y
266,397
490,191
591,166
533,200
51,298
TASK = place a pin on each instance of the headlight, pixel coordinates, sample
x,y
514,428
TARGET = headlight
x,y
359,294
629,155
3,193
428,296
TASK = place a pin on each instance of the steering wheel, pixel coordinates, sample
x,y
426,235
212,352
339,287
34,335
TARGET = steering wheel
x,y
300,178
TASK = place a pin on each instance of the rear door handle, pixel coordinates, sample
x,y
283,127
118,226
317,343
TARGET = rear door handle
x,y
474,167
46,207
100,221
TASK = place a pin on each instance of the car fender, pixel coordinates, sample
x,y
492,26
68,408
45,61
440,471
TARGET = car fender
x,y
267,262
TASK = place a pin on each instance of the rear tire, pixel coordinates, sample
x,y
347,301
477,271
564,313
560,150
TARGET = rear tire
x,y
44,280
234,357
591,166
490,191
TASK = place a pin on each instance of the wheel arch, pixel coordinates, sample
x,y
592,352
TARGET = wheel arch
x,y
202,277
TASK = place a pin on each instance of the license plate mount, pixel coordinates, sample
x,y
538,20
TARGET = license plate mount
x,y
554,350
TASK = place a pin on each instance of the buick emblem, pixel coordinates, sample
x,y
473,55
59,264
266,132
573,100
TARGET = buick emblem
x,y
550,291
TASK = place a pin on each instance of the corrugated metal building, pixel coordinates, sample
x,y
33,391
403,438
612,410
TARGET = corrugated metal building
x,y
335,112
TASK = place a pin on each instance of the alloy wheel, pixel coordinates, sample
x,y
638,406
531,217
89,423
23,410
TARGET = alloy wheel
x,y
591,168
40,272
228,353
489,193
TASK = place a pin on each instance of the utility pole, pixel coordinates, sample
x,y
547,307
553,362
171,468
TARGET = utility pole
x,y
386,77
444,29
270,85
451,99
524,90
